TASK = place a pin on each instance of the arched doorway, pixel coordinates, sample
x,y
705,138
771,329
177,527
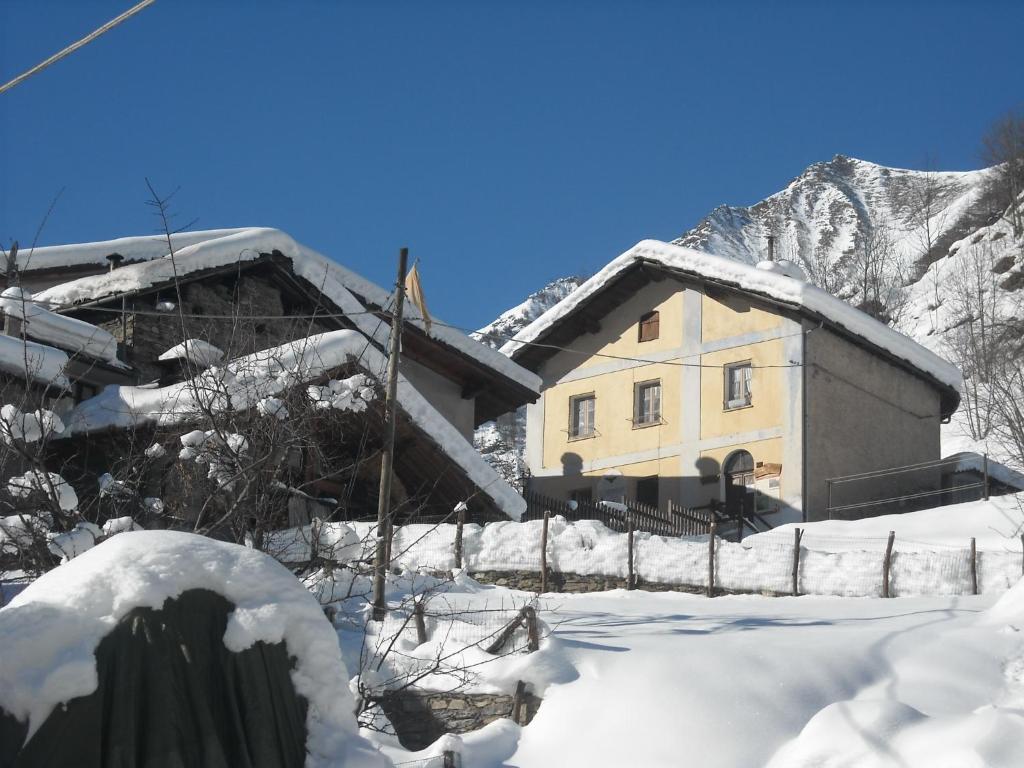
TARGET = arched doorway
x,y
739,488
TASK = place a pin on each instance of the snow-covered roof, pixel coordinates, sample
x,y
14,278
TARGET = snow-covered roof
x,y
44,365
68,333
771,284
196,351
132,249
50,631
206,250
244,382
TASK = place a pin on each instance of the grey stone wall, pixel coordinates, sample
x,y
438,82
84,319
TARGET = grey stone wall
x,y
863,414
246,301
420,718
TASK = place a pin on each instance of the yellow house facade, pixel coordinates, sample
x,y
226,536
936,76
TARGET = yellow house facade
x,y
674,377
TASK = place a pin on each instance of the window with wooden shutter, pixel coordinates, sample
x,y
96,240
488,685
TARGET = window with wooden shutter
x,y
649,326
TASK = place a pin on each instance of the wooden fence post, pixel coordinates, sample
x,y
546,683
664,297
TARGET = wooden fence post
x,y
886,564
460,522
798,534
421,626
985,470
630,579
448,759
517,701
711,558
532,632
544,553
974,567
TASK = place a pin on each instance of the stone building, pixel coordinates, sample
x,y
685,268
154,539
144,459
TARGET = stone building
x,y
214,301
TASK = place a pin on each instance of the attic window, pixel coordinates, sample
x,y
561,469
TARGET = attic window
x,y
649,326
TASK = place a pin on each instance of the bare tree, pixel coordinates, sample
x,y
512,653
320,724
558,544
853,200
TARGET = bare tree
x,y
1003,149
976,339
878,275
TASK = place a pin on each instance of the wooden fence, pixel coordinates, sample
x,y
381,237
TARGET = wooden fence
x,y
675,521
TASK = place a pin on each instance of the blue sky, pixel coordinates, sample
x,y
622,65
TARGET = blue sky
x,y
505,143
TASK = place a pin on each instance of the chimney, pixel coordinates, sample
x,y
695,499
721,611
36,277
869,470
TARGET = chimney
x,y
115,260
771,247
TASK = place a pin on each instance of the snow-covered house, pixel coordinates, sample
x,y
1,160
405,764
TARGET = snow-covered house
x,y
46,357
260,314
678,376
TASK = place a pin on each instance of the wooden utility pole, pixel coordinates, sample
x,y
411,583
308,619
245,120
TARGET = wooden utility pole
x,y
380,556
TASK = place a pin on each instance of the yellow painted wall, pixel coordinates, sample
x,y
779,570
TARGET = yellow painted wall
x,y
767,396
624,323
722,318
614,430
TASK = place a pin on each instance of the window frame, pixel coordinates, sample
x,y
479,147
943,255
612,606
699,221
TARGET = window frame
x,y
736,404
638,389
573,401
649,320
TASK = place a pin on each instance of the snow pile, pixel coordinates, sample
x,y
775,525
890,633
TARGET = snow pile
x,y
889,734
242,383
351,394
195,351
18,532
28,427
274,407
64,332
337,542
120,525
995,525
37,362
72,543
49,632
778,287
49,484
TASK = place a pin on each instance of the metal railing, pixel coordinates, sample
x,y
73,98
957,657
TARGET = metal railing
x,y
836,510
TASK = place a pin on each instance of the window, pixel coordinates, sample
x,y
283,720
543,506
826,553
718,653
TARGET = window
x,y
84,391
738,384
647,403
647,491
581,416
649,326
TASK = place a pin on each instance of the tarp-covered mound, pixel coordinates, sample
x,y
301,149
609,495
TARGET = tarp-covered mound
x,y
164,649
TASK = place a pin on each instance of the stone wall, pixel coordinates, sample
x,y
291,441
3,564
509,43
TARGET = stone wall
x,y
252,304
420,718
529,581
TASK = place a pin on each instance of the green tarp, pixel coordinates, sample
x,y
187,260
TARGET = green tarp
x,y
170,695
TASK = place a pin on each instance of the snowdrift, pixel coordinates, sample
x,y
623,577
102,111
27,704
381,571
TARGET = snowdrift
x,y
51,633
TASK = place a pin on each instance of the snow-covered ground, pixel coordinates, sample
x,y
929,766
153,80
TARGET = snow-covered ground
x,y
657,679
995,525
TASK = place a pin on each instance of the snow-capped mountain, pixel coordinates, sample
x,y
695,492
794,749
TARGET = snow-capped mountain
x,y
833,207
928,222
501,442
511,321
